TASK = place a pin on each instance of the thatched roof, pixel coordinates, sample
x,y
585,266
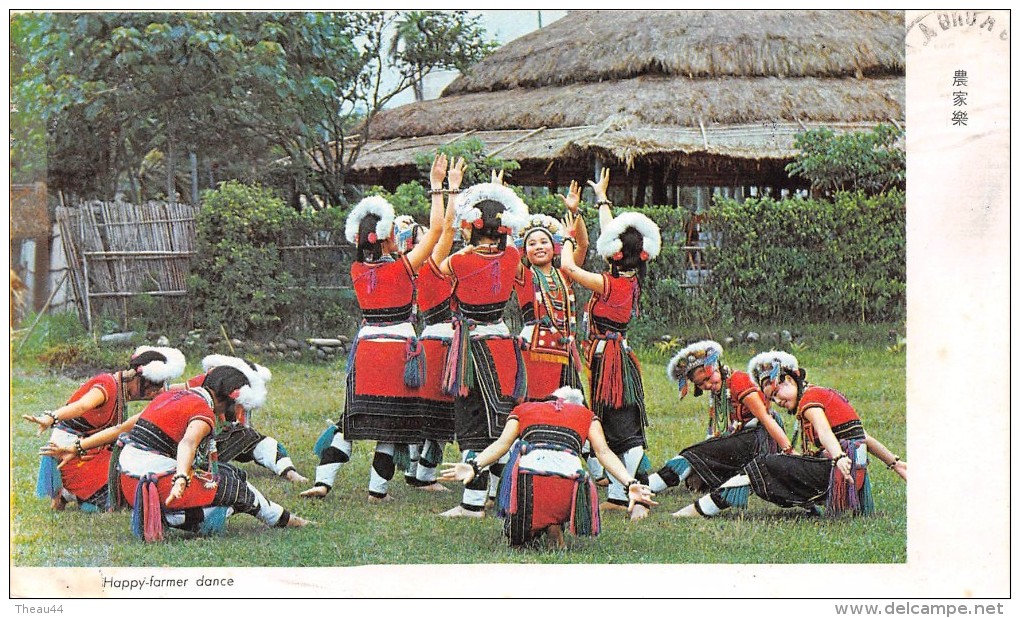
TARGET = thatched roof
x,y
591,46
649,84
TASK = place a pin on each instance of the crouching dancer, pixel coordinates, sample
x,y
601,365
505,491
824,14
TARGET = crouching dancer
x,y
544,485
170,473
237,440
834,468
740,424
71,472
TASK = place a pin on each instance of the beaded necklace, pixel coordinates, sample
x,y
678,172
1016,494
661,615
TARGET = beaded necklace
x,y
720,408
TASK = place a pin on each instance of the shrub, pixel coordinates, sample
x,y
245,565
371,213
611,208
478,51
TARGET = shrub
x,y
816,260
238,277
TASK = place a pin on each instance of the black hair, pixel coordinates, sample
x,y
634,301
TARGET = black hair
x,y
492,212
368,251
144,359
223,380
800,377
633,245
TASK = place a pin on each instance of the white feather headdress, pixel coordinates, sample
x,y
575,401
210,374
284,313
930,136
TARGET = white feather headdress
x,y
569,394
160,371
770,365
252,395
371,205
609,242
215,360
515,211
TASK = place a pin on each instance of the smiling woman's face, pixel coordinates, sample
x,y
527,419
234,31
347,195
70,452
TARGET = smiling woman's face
x,y
539,249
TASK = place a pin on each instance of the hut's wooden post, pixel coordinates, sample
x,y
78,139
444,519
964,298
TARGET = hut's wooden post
x,y
658,185
642,184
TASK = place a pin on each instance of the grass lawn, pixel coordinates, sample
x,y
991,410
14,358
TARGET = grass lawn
x,y
407,531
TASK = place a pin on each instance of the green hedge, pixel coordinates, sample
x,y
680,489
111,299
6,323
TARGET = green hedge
x,y
842,260
786,261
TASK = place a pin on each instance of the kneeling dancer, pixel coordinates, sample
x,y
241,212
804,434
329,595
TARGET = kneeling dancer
x,y
740,424
545,485
169,469
834,469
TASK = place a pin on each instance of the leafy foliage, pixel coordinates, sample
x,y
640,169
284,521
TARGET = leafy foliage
x,y
238,279
869,161
123,94
817,260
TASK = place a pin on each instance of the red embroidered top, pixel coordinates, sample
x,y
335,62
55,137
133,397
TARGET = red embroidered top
x,y
484,282
556,422
106,415
384,290
434,294
172,411
550,307
610,310
842,417
741,387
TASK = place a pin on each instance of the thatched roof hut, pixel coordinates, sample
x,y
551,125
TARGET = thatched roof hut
x,y
675,98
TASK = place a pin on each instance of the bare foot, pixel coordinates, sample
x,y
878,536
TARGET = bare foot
x,y
459,511
58,503
434,487
294,476
612,506
556,537
490,503
687,511
640,511
298,522
319,491
378,500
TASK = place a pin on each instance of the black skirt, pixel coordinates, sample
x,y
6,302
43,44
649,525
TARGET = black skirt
x,y
717,460
790,480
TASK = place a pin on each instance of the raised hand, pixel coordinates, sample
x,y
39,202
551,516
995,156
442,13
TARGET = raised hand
x,y
601,186
456,174
572,200
438,171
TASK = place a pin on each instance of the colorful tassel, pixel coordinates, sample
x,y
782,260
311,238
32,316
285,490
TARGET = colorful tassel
x,y
414,365
48,485
609,385
215,521
584,519
457,369
507,484
152,511
114,499
325,439
866,500
138,512
844,495
402,456
521,378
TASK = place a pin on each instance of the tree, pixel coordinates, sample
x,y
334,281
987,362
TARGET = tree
x,y
124,93
869,161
